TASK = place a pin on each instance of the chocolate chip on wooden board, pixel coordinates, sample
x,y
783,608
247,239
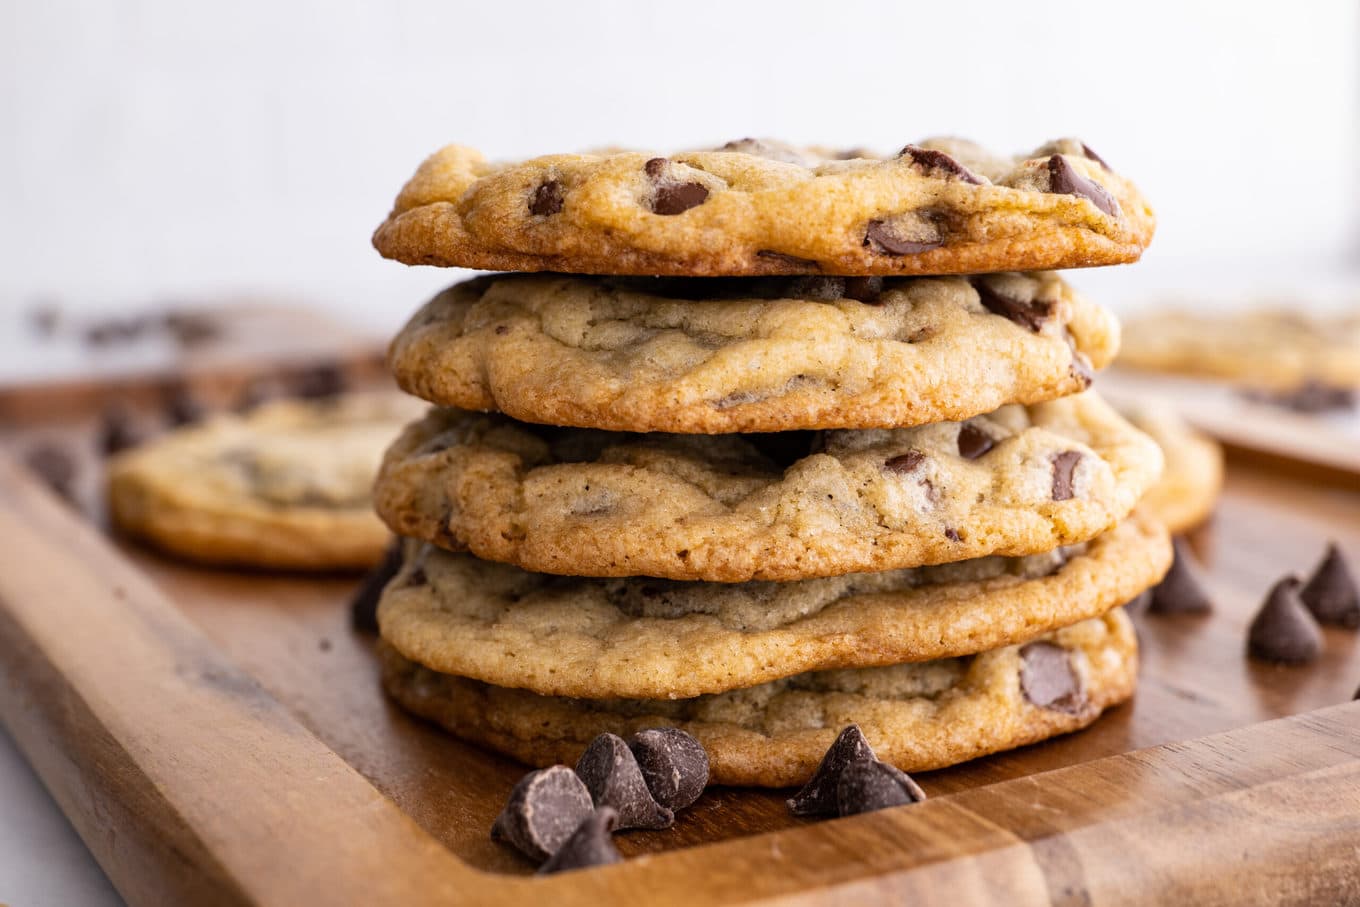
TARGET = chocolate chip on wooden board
x,y
363,608
1309,397
613,777
1049,680
673,764
545,809
867,786
591,844
1181,591
117,430
55,465
1331,592
181,407
1284,630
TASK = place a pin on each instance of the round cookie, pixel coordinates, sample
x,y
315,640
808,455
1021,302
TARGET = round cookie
x,y
1185,496
760,207
786,506
918,716
658,639
286,485
751,354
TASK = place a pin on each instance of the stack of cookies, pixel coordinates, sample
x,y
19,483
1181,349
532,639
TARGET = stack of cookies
x,y
772,441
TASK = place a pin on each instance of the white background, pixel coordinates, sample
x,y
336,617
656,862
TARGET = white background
x,y
161,149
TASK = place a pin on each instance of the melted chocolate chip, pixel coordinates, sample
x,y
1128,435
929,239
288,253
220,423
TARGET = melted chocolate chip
x,y
181,408
792,261
865,787
929,159
1086,150
117,430
1181,591
614,778
672,197
952,534
1063,180
1048,679
1030,314
363,607
1283,630
973,441
1331,593
544,810
590,845
863,289
673,764
879,236
904,463
547,199
1064,465
55,466
819,796
655,167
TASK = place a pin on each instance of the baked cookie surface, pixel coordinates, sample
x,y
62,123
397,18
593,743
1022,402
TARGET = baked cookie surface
x,y
754,207
785,506
658,639
751,354
286,485
918,716
1186,494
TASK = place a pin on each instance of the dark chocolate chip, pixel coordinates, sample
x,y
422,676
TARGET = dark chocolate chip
x,y
1331,592
655,167
673,764
863,289
55,466
1064,180
1181,591
544,810
973,441
865,787
324,380
1030,315
793,261
590,845
117,430
818,796
1064,465
879,236
677,198
1309,397
1086,150
1284,630
547,198
614,778
191,329
952,534
181,408
1048,679
363,608
930,159
904,463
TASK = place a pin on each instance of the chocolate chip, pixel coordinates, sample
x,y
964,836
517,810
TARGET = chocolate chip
x,y
904,463
614,778
117,430
793,261
1030,314
1309,397
672,197
590,845
1086,150
863,289
673,764
1048,679
1064,464
181,408
1066,181
55,466
1181,591
547,199
952,534
1284,630
973,441
930,159
819,796
191,329
1331,593
544,810
320,381
879,236
868,786
363,607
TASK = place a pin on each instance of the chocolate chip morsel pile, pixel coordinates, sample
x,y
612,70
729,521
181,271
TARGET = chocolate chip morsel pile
x,y
727,453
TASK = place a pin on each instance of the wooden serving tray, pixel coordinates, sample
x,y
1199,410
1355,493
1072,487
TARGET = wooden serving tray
x,y
220,738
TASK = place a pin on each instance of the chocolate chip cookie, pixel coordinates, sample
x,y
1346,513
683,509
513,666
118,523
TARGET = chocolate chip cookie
x,y
286,485
784,506
943,206
752,354
1192,478
917,716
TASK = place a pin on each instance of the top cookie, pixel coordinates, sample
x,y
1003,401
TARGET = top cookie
x,y
945,206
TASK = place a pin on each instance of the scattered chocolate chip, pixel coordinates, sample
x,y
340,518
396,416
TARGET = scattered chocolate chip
x,y
612,775
1064,180
547,199
930,159
1048,679
1086,150
1283,630
1331,593
818,796
363,607
1309,397
1030,315
865,787
952,534
544,810
673,764
879,236
904,463
672,197
793,261
1181,591
181,408
863,289
1064,465
591,844
55,466
117,430
973,441
320,381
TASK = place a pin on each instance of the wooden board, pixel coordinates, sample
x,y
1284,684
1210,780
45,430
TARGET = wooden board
x,y
220,737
